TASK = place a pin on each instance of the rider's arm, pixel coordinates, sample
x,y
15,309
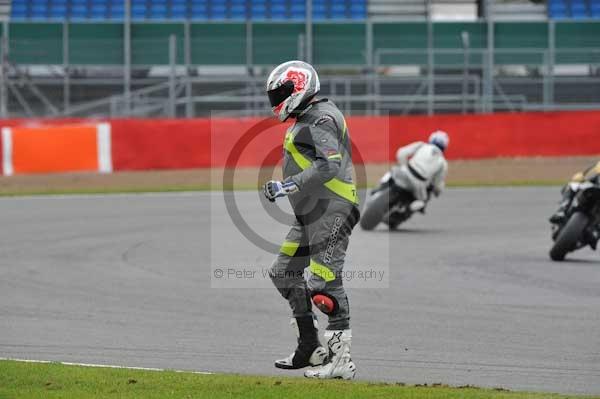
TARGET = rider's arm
x,y
404,153
439,179
328,156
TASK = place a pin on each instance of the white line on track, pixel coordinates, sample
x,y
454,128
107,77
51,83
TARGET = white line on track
x,y
108,366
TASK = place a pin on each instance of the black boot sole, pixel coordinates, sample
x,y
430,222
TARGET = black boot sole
x,y
305,363
289,367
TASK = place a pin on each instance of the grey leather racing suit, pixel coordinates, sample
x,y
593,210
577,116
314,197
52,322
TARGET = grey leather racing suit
x,y
317,157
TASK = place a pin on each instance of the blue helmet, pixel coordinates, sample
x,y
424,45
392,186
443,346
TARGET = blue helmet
x,y
439,139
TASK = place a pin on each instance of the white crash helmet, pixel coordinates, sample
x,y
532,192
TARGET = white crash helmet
x,y
291,85
439,139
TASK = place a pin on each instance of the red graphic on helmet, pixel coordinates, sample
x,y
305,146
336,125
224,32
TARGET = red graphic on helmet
x,y
298,77
278,108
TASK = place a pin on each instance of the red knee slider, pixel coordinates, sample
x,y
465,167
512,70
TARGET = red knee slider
x,y
324,303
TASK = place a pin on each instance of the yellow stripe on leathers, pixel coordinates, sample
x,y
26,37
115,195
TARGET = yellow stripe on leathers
x,y
337,186
289,248
321,270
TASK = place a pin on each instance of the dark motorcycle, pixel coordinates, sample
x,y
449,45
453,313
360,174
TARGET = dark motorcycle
x,y
388,203
580,226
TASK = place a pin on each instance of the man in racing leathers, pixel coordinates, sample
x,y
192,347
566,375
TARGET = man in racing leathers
x,y
318,178
423,168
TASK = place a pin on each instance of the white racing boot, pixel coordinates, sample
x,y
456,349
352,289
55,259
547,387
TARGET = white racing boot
x,y
339,365
309,351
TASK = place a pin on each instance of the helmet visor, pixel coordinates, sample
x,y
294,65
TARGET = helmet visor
x,y
279,94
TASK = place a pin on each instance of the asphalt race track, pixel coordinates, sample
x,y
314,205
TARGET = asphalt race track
x,y
468,294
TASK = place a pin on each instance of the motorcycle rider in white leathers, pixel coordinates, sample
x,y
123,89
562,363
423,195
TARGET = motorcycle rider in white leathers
x,y
423,168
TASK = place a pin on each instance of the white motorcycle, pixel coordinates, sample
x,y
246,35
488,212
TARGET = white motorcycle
x,y
389,203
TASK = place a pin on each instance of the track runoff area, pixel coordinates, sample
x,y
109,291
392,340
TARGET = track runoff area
x,y
468,297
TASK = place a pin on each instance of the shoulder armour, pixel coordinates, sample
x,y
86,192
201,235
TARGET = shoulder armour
x,y
323,119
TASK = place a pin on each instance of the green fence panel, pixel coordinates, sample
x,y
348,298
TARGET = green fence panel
x,y
408,37
447,37
521,35
577,42
339,44
276,43
520,43
577,34
218,44
333,44
150,43
36,43
96,44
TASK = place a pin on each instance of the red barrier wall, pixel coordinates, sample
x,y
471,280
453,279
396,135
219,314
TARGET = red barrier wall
x,y
144,144
153,144
508,135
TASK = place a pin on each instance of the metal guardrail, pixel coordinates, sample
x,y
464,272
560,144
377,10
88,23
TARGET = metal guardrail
x,y
354,94
166,98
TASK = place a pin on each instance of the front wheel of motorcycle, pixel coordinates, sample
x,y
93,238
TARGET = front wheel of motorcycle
x,y
376,207
567,238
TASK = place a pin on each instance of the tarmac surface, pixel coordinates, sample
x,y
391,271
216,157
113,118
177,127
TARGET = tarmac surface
x,y
465,294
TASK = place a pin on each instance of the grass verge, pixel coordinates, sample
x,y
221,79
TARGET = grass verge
x,y
240,187
53,380
107,190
